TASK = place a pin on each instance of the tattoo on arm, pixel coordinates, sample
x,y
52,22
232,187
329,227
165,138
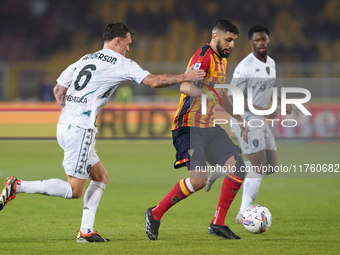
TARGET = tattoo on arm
x,y
164,80
56,90
62,99
60,96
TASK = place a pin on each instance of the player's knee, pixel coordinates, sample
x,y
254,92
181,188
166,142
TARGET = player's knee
x,y
198,183
99,174
240,168
103,178
77,194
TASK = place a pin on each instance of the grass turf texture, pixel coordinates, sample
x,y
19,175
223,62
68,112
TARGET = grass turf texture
x,y
304,210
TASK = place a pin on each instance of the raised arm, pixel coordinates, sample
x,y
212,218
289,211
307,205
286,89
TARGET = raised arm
x,y
59,94
164,80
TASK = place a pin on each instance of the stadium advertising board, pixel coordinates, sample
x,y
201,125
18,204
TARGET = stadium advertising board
x,y
153,120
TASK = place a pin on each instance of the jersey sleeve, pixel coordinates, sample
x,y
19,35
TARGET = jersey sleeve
x,y
65,78
200,62
135,72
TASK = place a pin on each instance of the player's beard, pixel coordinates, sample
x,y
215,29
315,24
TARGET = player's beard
x,y
220,50
263,53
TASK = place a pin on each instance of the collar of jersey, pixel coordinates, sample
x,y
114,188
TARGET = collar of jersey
x,y
214,51
267,62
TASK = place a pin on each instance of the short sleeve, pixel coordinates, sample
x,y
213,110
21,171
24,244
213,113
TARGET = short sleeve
x,y
135,72
65,78
200,62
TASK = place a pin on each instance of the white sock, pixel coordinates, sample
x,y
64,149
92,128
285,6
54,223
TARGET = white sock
x,y
189,185
52,187
251,185
91,201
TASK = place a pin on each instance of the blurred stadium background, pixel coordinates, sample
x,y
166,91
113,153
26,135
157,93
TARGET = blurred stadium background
x,y
40,38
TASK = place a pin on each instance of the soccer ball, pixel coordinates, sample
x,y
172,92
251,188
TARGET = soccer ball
x,y
257,219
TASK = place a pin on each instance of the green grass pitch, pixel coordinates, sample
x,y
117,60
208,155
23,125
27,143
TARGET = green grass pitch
x,y
305,210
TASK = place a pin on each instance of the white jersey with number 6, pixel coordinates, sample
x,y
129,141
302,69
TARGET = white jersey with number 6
x,y
91,81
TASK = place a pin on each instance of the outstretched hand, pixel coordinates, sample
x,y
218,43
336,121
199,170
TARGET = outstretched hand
x,y
194,75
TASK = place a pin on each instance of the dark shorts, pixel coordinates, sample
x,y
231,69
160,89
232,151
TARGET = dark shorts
x,y
195,146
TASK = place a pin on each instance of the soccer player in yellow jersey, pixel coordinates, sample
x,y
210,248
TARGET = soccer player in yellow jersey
x,y
258,72
198,140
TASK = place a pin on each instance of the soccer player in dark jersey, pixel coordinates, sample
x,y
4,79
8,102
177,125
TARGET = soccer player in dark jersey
x,y
197,139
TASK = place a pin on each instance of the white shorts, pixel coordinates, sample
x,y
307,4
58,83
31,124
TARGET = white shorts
x,y
79,149
259,138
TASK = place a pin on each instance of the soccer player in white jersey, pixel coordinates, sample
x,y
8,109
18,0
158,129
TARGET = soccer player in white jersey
x,y
256,71
81,92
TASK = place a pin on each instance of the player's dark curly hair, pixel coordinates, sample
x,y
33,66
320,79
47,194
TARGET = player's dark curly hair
x,y
257,28
115,29
225,26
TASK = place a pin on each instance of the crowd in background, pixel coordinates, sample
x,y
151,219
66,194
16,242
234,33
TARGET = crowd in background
x,y
304,31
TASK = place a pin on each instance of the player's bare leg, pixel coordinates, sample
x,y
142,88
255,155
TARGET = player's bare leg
x,y
271,157
198,179
77,186
214,175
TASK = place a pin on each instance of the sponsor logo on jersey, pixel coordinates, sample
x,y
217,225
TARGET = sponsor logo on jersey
x,y
82,100
197,66
268,83
257,70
